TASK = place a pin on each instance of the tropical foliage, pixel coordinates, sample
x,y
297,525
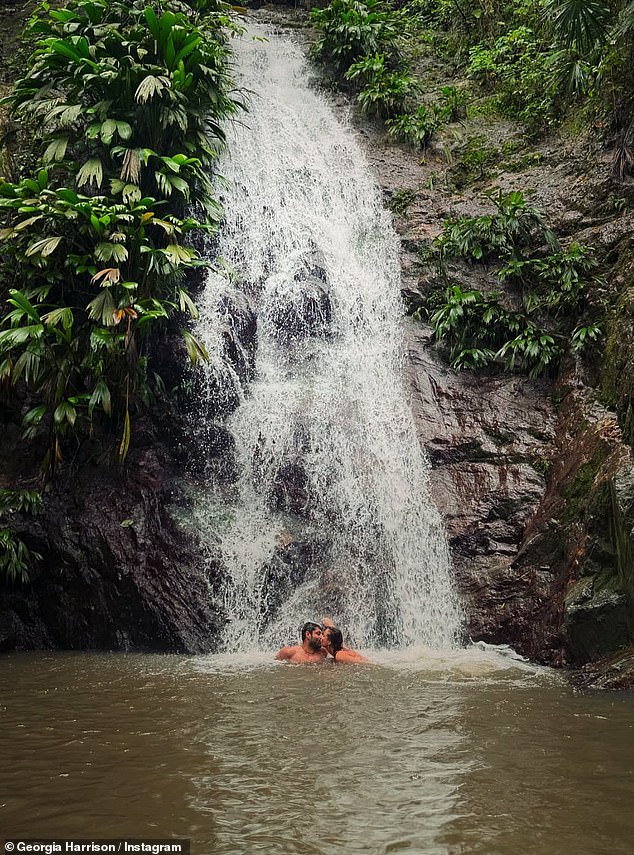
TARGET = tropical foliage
x,y
517,223
385,91
352,30
128,102
540,319
96,277
535,57
15,556
129,98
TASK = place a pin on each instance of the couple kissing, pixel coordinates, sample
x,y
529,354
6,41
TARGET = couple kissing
x,y
320,643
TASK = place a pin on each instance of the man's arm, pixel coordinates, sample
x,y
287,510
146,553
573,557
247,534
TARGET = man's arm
x,y
285,653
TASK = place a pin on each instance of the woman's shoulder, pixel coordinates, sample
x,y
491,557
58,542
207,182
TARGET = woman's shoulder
x,y
349,656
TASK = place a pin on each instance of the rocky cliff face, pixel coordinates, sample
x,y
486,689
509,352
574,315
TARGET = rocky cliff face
x,y
489,440
532,477
117,572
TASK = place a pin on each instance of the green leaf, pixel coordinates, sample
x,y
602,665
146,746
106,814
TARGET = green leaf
x,y
100,338
196,350
70,115
56,150
62,315
102,308
100,396
24,224
43,247
125,438
149,87
91,171
29,364
152,21
34,416
180,184
65,412
14,337
124,130
186,304
131,194
178,254
107,131
106,251
67,195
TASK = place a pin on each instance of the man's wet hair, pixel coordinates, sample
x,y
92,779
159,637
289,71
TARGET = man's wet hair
x,y
335,637
309,626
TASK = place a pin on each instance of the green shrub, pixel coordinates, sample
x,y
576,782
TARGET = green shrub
x,y
474,161
385,91
129,97
556,282
480,332
97,277
516,224
15,556
451,104
519,65
352,29
127,101
416,128
401,201
554,285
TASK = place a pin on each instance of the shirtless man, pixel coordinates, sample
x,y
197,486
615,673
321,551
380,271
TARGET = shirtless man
x,y
310,650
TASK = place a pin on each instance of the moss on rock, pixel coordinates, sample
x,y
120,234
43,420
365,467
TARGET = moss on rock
x,y
617,378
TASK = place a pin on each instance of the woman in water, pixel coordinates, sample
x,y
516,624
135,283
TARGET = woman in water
x,y
332,641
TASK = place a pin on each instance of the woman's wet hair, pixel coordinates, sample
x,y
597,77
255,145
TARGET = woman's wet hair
x,y
335,636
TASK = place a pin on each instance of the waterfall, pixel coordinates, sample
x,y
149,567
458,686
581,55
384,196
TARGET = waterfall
x,y
330,511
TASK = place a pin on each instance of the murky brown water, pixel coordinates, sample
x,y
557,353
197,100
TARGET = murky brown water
x,y
467,753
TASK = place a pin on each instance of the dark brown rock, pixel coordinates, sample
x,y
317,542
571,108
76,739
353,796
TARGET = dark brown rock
x,y
239,334
303,310
489,440
118,573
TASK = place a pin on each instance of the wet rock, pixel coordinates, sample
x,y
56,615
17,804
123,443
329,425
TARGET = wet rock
x,y
590,606
489,439
294,562
239,334
217,457
303,309
217,393
291,490
610,672
117,571
597,621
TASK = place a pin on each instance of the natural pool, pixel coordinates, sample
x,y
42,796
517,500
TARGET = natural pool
x,y
465,752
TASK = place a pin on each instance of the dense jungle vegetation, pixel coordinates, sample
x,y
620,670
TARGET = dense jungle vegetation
x,y
115,125
119,114
533,62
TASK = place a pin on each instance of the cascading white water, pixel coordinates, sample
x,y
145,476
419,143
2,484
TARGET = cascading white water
x,y
326,421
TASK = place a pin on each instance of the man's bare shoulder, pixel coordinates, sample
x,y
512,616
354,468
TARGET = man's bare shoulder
x,y
289,652
298,655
